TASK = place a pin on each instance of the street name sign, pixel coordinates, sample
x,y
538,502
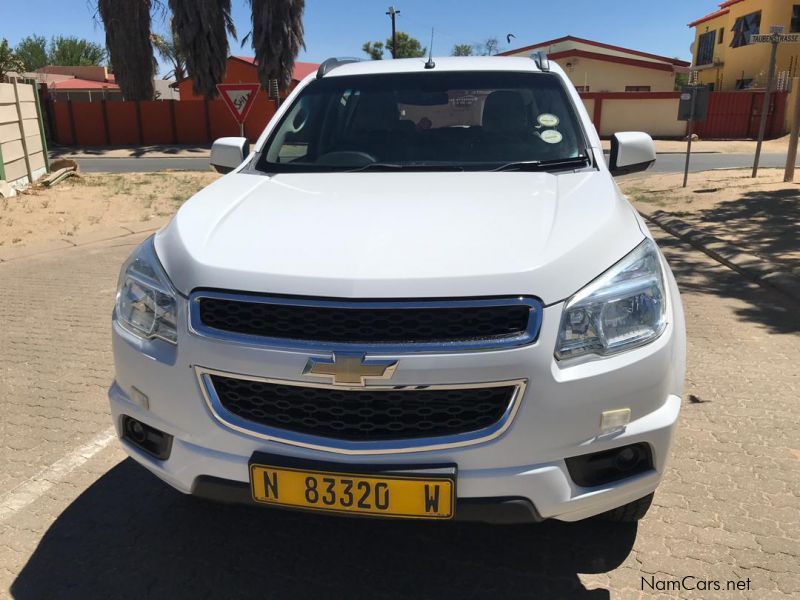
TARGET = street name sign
x,y
780,38
239,98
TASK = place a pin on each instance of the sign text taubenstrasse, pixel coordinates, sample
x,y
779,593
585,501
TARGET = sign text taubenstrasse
x,y
783,38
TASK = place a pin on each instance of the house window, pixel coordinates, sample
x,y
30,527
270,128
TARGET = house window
x,y
744,84
744,27
720,35
795,27
582,88
705,48
637,88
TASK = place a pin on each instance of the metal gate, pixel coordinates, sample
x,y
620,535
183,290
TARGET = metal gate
x,y
736,115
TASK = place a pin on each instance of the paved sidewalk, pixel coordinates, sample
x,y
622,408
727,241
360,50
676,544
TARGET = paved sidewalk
x,y
751,225
729,508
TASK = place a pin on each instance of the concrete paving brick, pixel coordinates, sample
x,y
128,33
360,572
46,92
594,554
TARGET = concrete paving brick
x,y
728,508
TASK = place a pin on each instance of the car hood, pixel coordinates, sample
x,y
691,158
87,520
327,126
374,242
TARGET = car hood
x,y
400,235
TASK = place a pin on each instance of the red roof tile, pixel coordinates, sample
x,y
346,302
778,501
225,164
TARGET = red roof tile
x,y
723,10
674,61
81,84
708,17
301,69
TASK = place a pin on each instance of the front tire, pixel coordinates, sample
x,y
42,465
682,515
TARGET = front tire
x,y
629,513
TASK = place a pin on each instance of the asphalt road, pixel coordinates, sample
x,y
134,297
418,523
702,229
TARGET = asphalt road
x,y
141,165
666,163
674,163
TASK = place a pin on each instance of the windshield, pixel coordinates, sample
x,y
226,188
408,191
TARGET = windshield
x,y
427,121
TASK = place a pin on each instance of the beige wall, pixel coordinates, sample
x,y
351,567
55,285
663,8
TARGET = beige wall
x,y
91,73
658,117
604,76
589,104
16,135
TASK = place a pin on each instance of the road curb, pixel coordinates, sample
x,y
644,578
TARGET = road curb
x,y
760,270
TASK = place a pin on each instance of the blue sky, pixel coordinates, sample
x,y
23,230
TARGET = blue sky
x,y
340,27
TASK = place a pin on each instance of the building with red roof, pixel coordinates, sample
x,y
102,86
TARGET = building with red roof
x,y
599,67
242,69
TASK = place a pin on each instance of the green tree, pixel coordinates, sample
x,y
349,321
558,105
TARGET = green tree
x,y
8,60
373,49
407,47
681,79
489,47
167,47
32,50
73,51
462,50
130,49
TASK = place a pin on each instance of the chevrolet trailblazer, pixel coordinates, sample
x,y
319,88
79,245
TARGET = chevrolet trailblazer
x,y
420,295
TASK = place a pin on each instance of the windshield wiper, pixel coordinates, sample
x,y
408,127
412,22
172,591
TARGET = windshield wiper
x,y
542,165
378,166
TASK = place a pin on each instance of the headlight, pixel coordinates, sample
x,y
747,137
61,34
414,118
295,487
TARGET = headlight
x,y
146,300
623,308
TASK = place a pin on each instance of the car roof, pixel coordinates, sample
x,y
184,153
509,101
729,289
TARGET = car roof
x,y
446,63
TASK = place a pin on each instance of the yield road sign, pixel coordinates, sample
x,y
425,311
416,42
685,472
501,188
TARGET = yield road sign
x,y
239,98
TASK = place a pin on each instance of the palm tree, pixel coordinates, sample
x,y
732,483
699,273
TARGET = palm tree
x,y
127,24
200,29
168,48
277,37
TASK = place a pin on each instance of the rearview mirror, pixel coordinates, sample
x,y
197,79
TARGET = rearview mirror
x,y
228,153
631,151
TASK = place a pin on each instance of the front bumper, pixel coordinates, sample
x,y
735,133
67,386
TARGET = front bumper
x,y
558,416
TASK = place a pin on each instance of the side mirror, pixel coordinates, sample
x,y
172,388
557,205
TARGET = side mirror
x,y
228,153
631,151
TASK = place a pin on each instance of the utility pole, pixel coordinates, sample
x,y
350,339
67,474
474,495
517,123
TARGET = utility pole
x,y
791,156
393,15
689,143
762,128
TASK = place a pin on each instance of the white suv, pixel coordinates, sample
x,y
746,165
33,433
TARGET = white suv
x,y
421,295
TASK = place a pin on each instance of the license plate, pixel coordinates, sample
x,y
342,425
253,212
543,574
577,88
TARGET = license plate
x,y
399,496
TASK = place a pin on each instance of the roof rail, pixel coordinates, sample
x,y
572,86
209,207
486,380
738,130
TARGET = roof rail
x,y
330,64
541,61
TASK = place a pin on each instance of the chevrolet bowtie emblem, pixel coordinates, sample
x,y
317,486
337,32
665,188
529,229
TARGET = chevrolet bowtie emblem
x,y
350,369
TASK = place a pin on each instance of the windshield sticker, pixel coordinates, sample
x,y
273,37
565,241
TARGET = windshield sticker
x,y
548,120
551,136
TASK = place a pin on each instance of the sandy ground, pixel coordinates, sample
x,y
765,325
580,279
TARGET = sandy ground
x,y
761,215
94,201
